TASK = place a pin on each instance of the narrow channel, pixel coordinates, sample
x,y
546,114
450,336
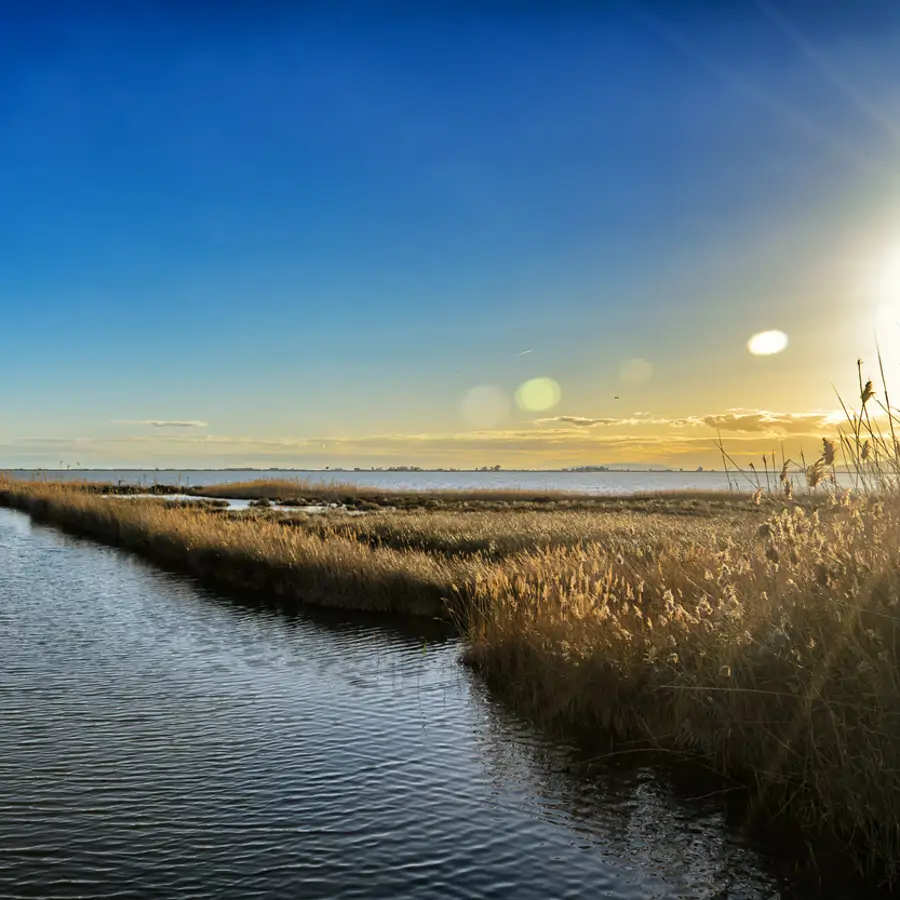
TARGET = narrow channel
x,y
160,740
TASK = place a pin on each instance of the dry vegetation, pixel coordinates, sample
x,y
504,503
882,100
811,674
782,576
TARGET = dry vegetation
x,y
298,489
760,633
770,651
764,639
495,535
249,552
298,492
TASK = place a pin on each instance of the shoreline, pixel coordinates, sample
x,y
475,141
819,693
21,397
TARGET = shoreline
x,y
744,636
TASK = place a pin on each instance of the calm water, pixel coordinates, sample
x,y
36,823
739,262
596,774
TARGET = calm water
x,y
160,741
597,482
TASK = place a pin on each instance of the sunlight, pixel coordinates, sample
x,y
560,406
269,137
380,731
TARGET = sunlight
x,y
887,312
888,284
767,343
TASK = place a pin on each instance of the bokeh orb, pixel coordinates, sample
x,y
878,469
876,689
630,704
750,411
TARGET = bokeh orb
x,y
538,394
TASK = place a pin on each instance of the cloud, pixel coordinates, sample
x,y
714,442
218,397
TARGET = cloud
x,y
750,421
760,421
580,421
164,423
637,419
551,442
584,422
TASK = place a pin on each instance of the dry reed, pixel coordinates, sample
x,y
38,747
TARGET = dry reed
x,y
763,638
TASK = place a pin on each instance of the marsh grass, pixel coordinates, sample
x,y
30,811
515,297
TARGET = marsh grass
x,y
251,553
758,632
338,492
301,492
498,535
771,652
768,648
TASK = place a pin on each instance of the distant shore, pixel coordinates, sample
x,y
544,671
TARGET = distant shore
x,y
391,469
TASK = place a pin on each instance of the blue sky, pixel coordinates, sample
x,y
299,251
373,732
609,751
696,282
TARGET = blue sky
x,y
316,231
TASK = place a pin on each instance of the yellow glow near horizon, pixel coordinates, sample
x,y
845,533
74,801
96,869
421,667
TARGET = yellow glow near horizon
x,y
888,285
887,311
767,343
538,394
484,406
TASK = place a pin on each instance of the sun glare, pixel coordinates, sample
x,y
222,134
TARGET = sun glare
x,y
887,310
767,343
888,285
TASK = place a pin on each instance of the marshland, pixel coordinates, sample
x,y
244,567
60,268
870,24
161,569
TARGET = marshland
x,y
754,631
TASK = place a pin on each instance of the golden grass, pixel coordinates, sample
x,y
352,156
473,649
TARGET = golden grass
x,y
301,489
763,639
772,652
251,553
500,534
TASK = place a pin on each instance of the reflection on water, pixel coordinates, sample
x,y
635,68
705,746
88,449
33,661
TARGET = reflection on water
x,y
159,741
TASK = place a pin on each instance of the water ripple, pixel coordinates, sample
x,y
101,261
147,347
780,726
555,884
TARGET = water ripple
x,y
158,741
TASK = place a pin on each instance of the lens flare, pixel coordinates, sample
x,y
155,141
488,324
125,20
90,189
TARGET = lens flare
x,y
538,394
484,406
767,343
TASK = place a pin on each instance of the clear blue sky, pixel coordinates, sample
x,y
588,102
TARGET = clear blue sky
x,y
303,224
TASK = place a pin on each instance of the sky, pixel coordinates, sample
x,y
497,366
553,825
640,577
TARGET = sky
x,y
443,234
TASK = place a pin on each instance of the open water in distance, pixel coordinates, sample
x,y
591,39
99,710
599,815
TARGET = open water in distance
x,y
159,740
587,482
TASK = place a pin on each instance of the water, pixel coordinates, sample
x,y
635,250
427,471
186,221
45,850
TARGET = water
x,y
593,482
229,503
158,740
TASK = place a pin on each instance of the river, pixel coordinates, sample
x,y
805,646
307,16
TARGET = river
x,y
160,740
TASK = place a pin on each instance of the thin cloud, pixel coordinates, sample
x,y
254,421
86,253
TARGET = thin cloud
x,y
580,421
164,423
585,422
760,421
751,421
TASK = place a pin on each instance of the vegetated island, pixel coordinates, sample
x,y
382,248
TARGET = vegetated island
x,y
756,632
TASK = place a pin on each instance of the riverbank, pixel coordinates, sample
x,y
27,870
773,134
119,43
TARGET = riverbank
x,y
762,639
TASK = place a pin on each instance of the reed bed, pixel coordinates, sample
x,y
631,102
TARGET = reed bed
x,y
772,653
339,492
769,648
761,635
252,553
302,492
498,535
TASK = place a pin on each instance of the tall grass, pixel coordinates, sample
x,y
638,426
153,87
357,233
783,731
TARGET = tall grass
x,y
762,636
771,654
770,649
304,490
252,553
